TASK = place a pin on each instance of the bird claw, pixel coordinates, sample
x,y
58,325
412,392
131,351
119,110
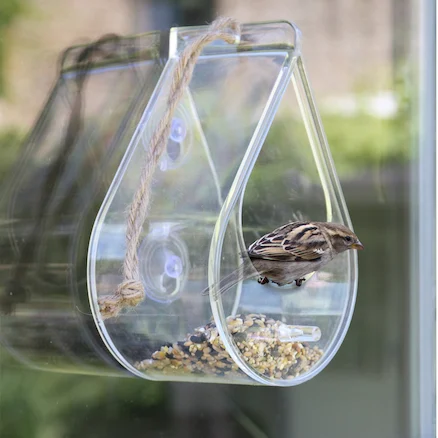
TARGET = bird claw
x,y
263,280
299,281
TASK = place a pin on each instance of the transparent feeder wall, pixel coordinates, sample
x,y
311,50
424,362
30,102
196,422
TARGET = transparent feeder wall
x,y
246,154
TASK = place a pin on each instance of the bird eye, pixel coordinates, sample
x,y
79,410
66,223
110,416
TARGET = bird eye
x,y
347,238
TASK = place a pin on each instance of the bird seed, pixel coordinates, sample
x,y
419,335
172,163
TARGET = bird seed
x,y
256,336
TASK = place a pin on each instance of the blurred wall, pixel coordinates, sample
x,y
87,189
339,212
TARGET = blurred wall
x,y
344,42
35,40
348,46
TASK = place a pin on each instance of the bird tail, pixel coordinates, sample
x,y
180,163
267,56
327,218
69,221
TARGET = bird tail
x,y
245,271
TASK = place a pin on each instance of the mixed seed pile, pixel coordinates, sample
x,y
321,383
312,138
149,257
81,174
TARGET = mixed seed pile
x,y
256,336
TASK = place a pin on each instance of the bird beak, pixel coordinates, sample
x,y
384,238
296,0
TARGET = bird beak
x,y
357,245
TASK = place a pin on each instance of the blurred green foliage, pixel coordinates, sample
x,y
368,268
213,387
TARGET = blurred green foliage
x,y
364,141
9,10
285,171
357,142
36,404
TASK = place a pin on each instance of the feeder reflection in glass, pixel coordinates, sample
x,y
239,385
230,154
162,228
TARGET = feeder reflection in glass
x,y
49,203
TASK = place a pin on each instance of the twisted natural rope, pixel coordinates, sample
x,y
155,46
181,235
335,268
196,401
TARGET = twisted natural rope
x,y
131,292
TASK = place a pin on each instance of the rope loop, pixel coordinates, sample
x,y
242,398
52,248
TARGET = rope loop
x,y
131,292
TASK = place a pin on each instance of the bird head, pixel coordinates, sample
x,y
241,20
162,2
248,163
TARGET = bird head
x,y
341,237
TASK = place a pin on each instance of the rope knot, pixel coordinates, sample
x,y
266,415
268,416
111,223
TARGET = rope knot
x,y
131,292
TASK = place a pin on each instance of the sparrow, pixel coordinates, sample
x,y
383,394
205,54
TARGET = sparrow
x,y
290,252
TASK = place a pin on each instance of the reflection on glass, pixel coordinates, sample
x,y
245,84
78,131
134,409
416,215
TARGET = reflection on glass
x,y
49,205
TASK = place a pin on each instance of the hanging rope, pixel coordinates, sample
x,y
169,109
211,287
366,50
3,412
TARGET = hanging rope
x,y
131,291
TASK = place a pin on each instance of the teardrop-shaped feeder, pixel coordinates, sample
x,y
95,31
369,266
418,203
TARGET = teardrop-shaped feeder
x,y
246,153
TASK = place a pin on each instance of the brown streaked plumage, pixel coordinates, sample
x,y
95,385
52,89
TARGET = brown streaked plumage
x,y
292,251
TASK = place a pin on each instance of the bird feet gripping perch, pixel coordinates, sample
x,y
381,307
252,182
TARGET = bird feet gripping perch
x,y
299,281
263,280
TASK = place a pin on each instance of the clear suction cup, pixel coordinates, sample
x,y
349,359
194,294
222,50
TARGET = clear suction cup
x,y
178,130
164,263
179,143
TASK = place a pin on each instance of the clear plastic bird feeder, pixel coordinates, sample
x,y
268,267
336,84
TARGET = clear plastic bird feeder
x,y
221,183
246,154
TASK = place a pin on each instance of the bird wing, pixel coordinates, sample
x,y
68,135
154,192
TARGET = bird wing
x,y
294,242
